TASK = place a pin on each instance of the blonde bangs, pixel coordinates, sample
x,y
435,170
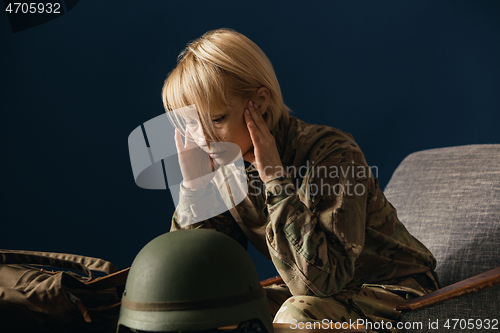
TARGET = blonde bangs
x,y
213,69
198,83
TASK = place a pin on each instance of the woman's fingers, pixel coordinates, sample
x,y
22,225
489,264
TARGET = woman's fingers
x,y
252,129
190,140
259,121
178,141
267,159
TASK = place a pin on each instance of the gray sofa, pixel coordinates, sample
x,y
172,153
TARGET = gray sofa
x,y
449,199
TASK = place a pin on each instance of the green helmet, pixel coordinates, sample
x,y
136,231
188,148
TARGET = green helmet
x,y
190,280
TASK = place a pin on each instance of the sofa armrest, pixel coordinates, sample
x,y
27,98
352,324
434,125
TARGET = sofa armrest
x,y
475,283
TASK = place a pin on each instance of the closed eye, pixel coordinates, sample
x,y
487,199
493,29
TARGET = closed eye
x,y
218,120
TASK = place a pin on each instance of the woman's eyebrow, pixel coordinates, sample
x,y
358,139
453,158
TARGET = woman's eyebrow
x,y
217,115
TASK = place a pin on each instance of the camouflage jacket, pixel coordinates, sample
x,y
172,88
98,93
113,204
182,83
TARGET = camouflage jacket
x,y
326,226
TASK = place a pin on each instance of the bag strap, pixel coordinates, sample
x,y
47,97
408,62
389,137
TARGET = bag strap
x,y
108,281
61,260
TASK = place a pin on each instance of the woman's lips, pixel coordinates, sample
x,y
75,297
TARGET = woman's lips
x,y
216,155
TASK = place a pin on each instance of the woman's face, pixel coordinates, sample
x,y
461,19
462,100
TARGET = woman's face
x,y
232,132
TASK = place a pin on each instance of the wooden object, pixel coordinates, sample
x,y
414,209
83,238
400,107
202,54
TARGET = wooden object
x,y
475,283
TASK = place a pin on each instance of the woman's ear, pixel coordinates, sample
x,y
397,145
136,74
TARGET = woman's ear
x,y
262,99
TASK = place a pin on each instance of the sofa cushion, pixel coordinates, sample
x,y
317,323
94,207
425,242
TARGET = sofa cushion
x,y
449,199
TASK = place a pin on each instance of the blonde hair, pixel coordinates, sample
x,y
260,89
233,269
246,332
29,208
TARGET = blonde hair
x,y
220,64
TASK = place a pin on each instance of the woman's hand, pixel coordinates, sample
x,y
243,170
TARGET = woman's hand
x,y
265,156
196,165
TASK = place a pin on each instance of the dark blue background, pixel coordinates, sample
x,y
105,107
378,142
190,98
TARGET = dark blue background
x,y
401,76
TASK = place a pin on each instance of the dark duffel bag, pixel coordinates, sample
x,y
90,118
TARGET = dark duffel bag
x,y
35,298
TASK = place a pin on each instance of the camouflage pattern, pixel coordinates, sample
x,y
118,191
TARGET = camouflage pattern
x,y
326,242
368,305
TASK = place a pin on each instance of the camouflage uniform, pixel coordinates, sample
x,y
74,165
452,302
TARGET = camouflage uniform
x,y
328,228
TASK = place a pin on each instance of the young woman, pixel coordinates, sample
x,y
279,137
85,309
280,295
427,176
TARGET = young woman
x,y
312,206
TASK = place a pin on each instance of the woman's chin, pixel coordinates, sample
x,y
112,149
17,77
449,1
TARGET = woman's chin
x,y
222,160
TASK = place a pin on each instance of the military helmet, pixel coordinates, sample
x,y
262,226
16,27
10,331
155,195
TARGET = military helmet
x,y
192,280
